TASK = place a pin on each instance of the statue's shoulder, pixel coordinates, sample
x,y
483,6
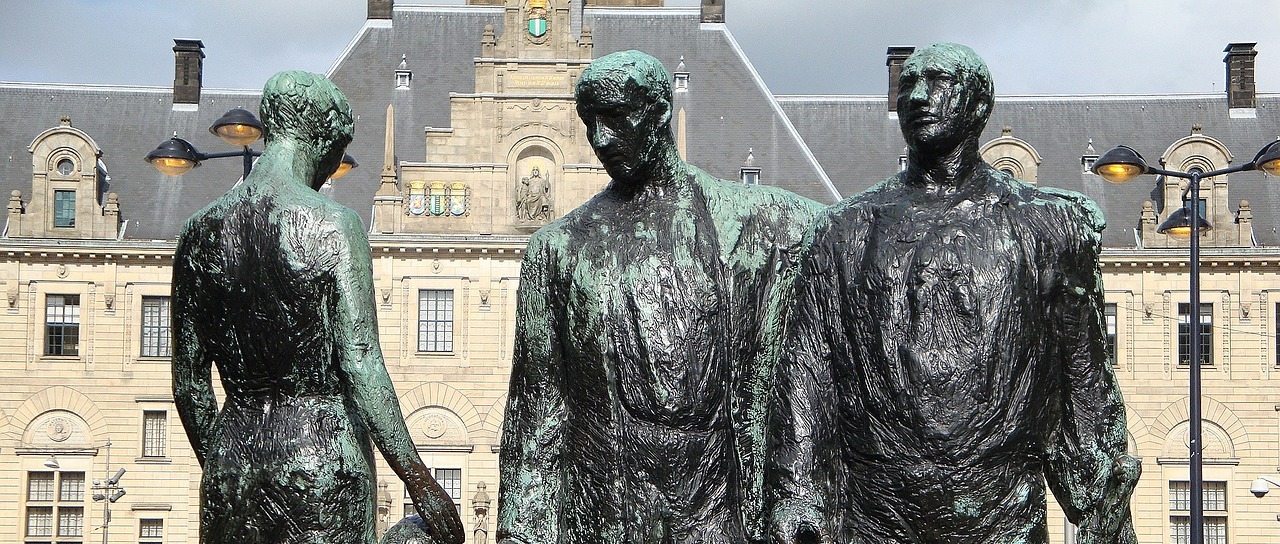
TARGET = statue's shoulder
x,y
751,199
1076,208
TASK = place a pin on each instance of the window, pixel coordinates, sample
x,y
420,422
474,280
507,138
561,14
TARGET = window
x,y
1214,496
150,531
1278,333
155,428
1206,333
155,327
62,325
55,506
64,208
1277,317
451,480
1110,311
435,320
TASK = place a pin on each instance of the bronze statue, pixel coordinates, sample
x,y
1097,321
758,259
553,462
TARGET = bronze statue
x,y
273,283
945,354
638,338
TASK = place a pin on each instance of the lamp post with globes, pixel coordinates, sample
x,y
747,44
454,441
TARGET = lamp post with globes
x,y
238,127
1123,164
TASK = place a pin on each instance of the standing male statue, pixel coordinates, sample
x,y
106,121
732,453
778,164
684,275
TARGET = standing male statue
x,y
638,336
273,283
946,354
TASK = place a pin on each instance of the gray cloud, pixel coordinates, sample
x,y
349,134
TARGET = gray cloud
x,y
799,46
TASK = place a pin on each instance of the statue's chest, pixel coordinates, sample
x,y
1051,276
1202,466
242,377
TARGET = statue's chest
x,y
945,287
662,315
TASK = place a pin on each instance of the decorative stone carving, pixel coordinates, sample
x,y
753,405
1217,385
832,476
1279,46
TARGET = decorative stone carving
x,y
533,196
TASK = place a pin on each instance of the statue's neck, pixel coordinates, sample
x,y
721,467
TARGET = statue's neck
x,y
663,177
946,171
283,162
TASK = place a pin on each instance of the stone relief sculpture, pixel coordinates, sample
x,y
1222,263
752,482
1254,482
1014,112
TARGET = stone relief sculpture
x,y
273,283
638,338
945,353
533,197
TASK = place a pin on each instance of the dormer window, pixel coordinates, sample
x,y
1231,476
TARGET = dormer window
x,y
749,173
66,167
403,74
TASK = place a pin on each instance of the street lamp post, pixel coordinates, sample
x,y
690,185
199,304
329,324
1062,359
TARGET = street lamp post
x,y
1123,164
238,127
108,492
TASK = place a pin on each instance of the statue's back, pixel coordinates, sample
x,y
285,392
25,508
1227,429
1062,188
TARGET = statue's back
x,y
266,263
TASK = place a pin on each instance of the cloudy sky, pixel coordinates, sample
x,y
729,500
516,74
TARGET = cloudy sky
x,y
799,46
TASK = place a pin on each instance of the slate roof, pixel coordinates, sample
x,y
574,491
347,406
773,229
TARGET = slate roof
x,y
817,146
858,144
126,123
729,108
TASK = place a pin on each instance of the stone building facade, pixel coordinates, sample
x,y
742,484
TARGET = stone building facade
x,y
462,104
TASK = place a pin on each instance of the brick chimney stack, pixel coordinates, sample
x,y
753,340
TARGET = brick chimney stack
x,y
713,11
188,57
380,9
896,56
1241,87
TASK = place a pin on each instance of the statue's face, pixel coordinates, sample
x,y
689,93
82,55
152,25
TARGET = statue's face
x,y
937,109
623,127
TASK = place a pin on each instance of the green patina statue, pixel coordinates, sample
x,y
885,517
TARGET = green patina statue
x,y
639,347
273,283
945,354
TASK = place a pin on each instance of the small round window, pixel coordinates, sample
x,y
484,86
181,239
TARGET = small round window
x,y
65,167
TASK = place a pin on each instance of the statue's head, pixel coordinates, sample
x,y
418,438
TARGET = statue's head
x,y
945,96
625,101
310,111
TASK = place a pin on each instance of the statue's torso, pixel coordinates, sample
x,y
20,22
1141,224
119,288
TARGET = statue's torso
x,y
950,350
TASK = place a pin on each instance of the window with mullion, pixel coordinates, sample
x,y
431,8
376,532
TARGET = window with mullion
x,y
450,479
64,208
1206,333
435,320
154,433
150,531
156,339
1112,327
62,325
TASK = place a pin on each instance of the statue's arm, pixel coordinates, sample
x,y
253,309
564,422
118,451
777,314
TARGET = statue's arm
x,y
801,414
370,387
192,379
768,304
1088,468
533,434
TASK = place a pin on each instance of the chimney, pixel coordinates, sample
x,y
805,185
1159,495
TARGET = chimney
x,y
380,9
713,11
1241,87
896,56
188,56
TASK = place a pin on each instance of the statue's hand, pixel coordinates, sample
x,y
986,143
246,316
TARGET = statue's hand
x,y
1110,522
438,512
792,523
